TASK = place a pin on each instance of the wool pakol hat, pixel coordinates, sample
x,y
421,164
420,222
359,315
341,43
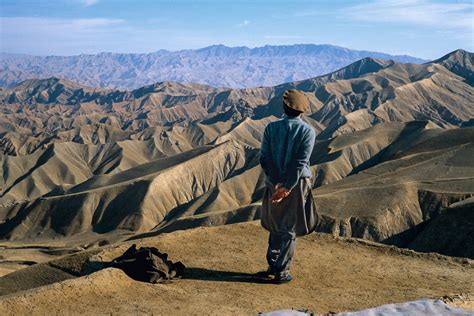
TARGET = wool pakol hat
x,y
296,100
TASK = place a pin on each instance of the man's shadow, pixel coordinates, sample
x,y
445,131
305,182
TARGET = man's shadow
x,y
222,276
191,273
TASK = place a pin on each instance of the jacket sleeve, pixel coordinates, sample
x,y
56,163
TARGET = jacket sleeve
x,y
302,159
265,152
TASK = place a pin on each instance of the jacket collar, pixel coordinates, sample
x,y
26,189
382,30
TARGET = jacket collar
x,y
292,118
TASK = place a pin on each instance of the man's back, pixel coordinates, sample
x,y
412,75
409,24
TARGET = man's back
x,y
286,147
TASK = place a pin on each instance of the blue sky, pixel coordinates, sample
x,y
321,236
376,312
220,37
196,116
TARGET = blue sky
x,y
422,28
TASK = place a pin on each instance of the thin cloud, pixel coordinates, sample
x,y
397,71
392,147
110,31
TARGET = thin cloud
x,y
88,3
308,13
20,24
93,23
283,37
417,12
18,33
244,23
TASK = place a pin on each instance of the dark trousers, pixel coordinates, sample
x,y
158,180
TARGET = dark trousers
x,y
281,247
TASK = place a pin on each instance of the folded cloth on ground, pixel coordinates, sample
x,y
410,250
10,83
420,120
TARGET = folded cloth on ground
x,y
420,307
148,264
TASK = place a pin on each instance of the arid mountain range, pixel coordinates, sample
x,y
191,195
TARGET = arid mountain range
x,y
91,165
218,66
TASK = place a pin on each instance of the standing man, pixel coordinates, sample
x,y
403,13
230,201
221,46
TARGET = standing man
x,y
288,209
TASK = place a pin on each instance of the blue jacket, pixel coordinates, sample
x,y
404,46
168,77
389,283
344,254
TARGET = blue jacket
x,y
287,145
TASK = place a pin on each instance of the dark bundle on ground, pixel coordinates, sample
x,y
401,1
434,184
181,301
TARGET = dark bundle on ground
x,y
148,264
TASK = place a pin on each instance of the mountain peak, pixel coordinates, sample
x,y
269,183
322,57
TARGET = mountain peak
x,y
378,61
361,67
45,83
460,62
458,55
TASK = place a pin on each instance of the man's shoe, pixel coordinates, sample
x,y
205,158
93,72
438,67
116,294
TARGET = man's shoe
x,y
282,278
265,274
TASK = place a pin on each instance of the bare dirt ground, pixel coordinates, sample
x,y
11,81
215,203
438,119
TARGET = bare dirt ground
x,y
331,275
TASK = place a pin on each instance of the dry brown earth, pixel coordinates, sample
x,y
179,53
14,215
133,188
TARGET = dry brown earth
x,y
330,275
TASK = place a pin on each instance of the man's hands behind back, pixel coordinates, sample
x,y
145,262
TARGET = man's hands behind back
x,y
280,193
